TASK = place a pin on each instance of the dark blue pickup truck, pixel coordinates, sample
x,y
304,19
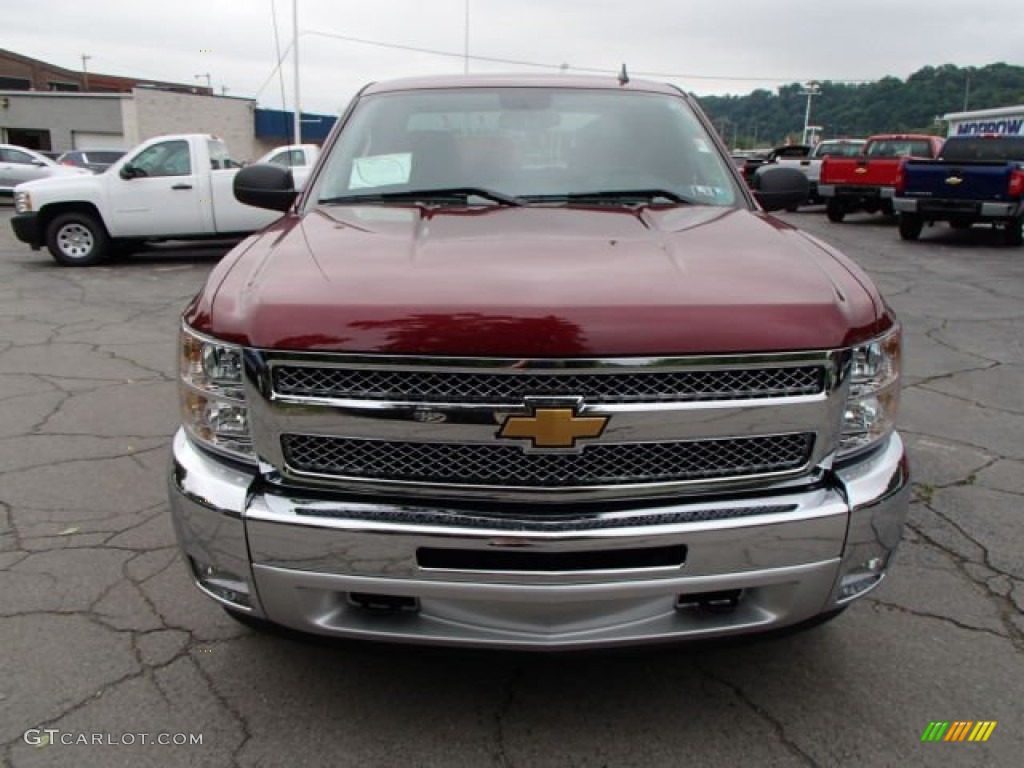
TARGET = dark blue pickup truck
x,y
975,179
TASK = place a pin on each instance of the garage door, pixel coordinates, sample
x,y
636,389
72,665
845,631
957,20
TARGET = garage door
x,y
90,140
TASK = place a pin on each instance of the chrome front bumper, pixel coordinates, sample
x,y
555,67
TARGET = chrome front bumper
x,y
328,566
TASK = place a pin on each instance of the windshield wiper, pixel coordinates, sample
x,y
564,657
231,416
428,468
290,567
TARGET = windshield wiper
x,y
447,194
626,196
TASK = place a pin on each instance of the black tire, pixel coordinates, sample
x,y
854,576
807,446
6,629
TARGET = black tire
x,y
835,211
887,209
910,226
1013,231
77,240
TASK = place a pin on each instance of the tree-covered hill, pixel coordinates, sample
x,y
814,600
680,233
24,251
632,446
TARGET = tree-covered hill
x,y
763,118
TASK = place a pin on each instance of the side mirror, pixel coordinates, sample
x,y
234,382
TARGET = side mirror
x,y
265,186
129,172
777,188
37,163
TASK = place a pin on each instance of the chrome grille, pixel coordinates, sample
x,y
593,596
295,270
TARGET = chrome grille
x,y
510,388
509,465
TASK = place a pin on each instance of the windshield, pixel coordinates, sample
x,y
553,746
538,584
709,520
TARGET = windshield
x,y
1000,149
843,149
528,144
899,148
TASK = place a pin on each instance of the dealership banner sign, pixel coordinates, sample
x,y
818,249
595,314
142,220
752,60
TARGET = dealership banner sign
x,y
1012,125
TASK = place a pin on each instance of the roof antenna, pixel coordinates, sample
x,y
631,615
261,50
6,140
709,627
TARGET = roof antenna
x,y
623,75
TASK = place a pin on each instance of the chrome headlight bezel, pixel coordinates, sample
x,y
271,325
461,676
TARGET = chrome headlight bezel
x,y
869,414
213,403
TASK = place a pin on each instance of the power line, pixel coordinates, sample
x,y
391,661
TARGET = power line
x,y
559,67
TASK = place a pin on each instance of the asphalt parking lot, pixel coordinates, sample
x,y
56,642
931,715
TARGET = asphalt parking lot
x,y
103,636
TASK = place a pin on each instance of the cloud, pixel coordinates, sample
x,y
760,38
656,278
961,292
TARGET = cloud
x,y
707,47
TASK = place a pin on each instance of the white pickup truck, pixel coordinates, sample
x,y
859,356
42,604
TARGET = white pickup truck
x,y
299,157
168,188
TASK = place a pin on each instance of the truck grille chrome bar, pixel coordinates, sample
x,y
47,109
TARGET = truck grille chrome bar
x,y
509,388
509,465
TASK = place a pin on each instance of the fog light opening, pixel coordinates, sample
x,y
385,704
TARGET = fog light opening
x,y
384,603
224,585
861,578
723,601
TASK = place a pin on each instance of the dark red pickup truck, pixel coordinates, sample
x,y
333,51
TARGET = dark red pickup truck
x,y
867,181
526,364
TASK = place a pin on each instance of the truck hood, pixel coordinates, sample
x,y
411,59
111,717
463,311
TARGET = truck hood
x,y
535,282
64,179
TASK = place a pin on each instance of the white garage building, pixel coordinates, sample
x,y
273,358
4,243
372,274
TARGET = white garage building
x,y
63,121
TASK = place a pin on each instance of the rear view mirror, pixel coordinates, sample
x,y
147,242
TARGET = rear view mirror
x,y
129,171
264,185
777,188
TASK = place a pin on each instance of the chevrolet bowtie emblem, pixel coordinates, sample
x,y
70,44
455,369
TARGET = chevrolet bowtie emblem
x,y
553,427
954,180
861,170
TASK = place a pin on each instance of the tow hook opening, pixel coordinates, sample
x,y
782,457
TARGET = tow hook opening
x,y
384,603
722,601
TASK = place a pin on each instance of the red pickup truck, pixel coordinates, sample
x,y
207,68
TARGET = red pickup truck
x,y
868,181
526,364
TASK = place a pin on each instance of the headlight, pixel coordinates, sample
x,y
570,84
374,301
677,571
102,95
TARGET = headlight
x,y
22,202
213,403
870,413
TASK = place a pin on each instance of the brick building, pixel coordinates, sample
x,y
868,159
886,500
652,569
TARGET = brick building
x,y
50,108
22,73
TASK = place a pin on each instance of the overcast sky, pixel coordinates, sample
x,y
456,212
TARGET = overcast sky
x,y
706,46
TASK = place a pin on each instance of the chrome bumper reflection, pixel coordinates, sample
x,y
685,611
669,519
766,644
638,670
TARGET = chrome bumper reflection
x,y
302,559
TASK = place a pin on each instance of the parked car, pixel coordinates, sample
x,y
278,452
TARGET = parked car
x,y
299,157
96,160
18,164
976,179
527,365
168,188
810,164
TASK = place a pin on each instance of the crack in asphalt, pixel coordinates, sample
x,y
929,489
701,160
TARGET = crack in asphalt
x,y
501,755
1003,602
877,602
776,725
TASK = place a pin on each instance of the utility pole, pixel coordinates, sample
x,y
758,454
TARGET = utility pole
x,y
85,72
967,89
465,43
209,87
298,102
812,89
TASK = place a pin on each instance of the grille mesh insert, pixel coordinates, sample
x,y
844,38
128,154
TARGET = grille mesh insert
x,y
510,465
